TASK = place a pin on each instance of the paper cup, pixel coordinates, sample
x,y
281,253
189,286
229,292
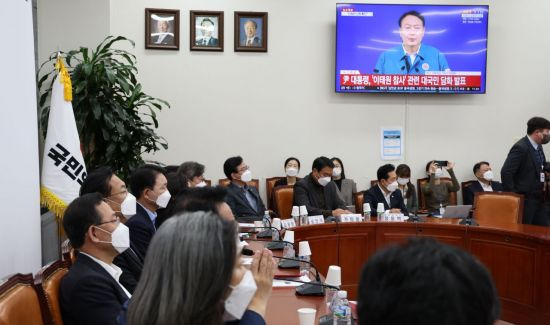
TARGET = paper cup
x,y
307,316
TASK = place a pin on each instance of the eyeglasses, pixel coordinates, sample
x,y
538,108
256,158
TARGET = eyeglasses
x,y
116,221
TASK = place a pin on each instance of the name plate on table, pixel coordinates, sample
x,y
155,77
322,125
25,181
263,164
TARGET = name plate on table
x,y
393,217
288,223
315,220
354,217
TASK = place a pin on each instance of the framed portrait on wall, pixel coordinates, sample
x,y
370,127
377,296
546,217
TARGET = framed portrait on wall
x,y
206,28
250,31
162,29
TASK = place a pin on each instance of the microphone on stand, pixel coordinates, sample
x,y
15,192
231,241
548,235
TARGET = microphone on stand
x,y
274,244
313,288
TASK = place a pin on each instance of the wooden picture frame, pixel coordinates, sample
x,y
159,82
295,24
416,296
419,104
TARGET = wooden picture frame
x,y
162,29
250,31
206,30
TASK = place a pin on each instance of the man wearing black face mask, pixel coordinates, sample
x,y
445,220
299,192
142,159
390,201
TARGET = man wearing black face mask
x,y
523,172
317,191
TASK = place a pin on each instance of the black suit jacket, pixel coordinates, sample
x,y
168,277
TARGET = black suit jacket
x,y
142,230
90,295
374,195
168,40
304,194
521,172
238,202
472,189
131,263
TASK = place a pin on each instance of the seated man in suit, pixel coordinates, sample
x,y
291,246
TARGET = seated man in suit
x,y
149,185
91,293
485,183
103,181
244,200
386,191
318,192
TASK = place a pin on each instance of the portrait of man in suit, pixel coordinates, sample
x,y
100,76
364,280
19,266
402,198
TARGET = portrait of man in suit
x,y
251,29
163,30
209,31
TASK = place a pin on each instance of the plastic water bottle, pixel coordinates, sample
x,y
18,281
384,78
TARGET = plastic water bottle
x,y
303,216
441,209
341,310
266,219
329,297
304,266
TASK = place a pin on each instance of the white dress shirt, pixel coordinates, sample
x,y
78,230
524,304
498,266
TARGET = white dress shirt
x,y
112,269
386,196
485,187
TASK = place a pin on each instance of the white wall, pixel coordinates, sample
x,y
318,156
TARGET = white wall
x,y
267,106
19,193
65,25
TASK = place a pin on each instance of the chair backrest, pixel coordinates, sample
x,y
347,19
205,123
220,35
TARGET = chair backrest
x,y
498,207
20,303
49,279
465,184
269,184
373,182
283,197
422,201
225,182
358,200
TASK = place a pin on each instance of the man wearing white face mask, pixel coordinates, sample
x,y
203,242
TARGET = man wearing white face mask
x,y
244,200
91,293
386,192
148,183
485,183
317,191
103,181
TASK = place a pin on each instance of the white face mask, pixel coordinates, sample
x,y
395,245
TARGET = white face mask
x,y
488,175
246,176
240,297
120,238
392,186
337,171
163,199
201,184
438,173
403,181
323,181
291,171
128,206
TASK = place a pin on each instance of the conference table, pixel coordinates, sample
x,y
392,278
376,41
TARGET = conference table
x,y
517,256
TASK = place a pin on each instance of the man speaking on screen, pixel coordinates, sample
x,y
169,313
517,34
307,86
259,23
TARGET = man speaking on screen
x,y
411,57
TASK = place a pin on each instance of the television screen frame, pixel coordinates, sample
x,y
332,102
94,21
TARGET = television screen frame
x,y
436,76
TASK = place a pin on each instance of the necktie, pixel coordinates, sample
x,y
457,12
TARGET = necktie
x,y
540,156
249,42
204,42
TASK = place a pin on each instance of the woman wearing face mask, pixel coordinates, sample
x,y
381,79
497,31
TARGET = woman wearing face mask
x,y
292,168
346,186
407,188
194,274
193,173
435,192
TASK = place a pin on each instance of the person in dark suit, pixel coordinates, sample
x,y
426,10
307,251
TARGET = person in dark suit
x,y
103,181
244,200
318,192
91,293
386,191
149,185
163,37
250,27
485,183
207,30
523,173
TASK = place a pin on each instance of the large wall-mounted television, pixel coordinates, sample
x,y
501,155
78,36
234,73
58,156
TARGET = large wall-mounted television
x,y
392,48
